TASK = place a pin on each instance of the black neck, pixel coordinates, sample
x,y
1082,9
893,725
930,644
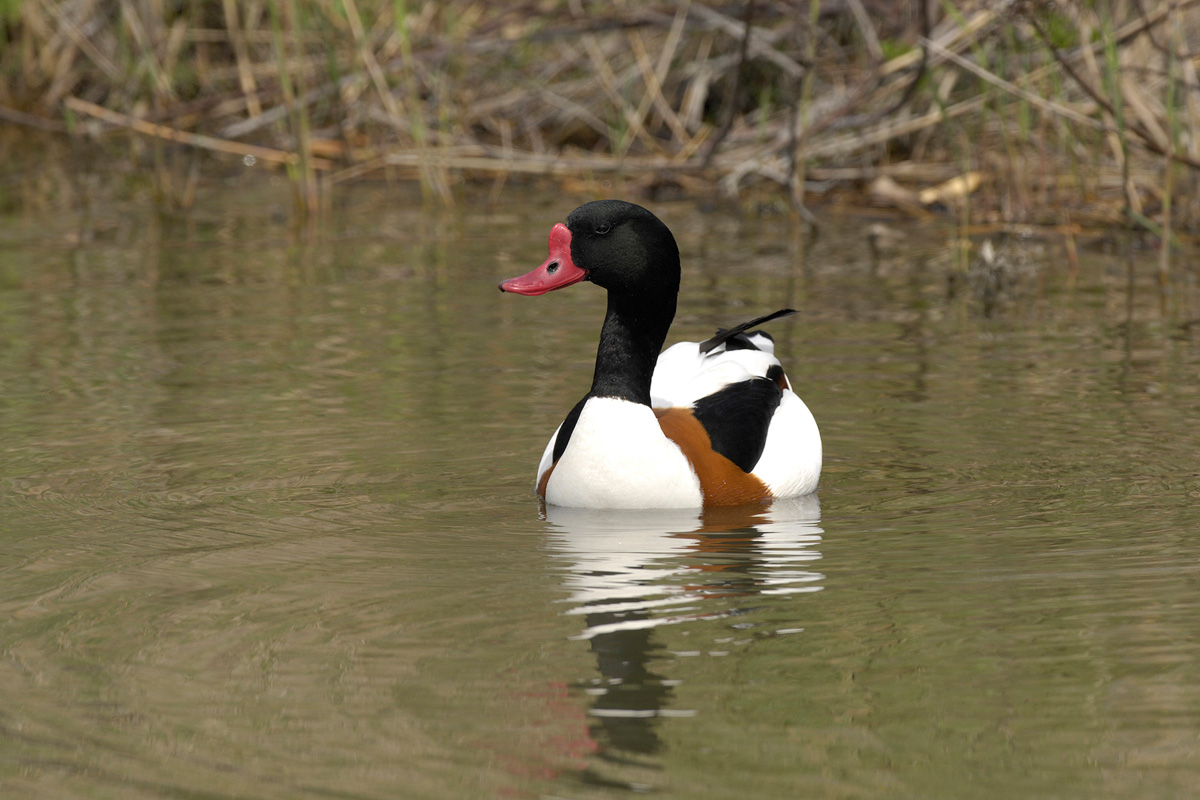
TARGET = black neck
x,y
632,336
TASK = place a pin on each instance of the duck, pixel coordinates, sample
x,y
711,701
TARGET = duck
x,y
699,425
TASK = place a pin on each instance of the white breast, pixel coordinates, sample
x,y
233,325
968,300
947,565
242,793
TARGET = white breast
x,y
618,457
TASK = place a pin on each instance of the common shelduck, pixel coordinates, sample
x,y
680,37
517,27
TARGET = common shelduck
x,y
713,423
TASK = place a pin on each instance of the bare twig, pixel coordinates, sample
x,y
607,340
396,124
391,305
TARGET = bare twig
x,y
654,93
755,40
1048,106
870,37
183,137
735,87
609,82
1145,138
31,120
242,55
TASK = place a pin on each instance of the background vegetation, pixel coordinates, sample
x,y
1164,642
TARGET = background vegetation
x,y
1065,114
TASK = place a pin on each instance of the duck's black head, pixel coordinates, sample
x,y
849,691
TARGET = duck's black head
x,y
628,251
624,248
617,245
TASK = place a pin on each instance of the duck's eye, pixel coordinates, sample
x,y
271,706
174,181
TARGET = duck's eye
x,y
603,228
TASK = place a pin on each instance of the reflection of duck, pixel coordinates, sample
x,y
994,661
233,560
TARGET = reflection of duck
x,y
628,573
717,424
646,565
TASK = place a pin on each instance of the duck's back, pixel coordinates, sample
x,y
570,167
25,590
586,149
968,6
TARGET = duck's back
x,y
786,451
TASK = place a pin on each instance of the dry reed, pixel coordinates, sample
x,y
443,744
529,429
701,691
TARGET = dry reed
x,y
1045,113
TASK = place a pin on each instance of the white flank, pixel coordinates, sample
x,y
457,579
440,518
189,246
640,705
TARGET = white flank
x,y
790,464
618,457
547,456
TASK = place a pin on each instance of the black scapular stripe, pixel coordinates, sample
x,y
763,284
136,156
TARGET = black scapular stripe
x,y
737,418
567,428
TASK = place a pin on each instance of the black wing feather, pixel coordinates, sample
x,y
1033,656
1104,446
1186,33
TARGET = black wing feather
x,y
737,418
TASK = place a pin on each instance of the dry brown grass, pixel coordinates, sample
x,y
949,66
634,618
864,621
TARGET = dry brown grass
x,y
1013,113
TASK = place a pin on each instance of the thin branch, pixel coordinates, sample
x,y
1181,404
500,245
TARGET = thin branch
x,y
31,120
183,137
1033,99
753,38
1143,135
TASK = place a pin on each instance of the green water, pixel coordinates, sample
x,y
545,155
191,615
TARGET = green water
x,y
267,528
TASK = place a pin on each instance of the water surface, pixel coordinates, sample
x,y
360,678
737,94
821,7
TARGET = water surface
x,y
268,529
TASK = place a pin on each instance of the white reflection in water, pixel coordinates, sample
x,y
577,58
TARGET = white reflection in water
x,y
630,573
637,569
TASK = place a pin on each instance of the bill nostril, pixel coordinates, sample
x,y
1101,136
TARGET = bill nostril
x,y
552,267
